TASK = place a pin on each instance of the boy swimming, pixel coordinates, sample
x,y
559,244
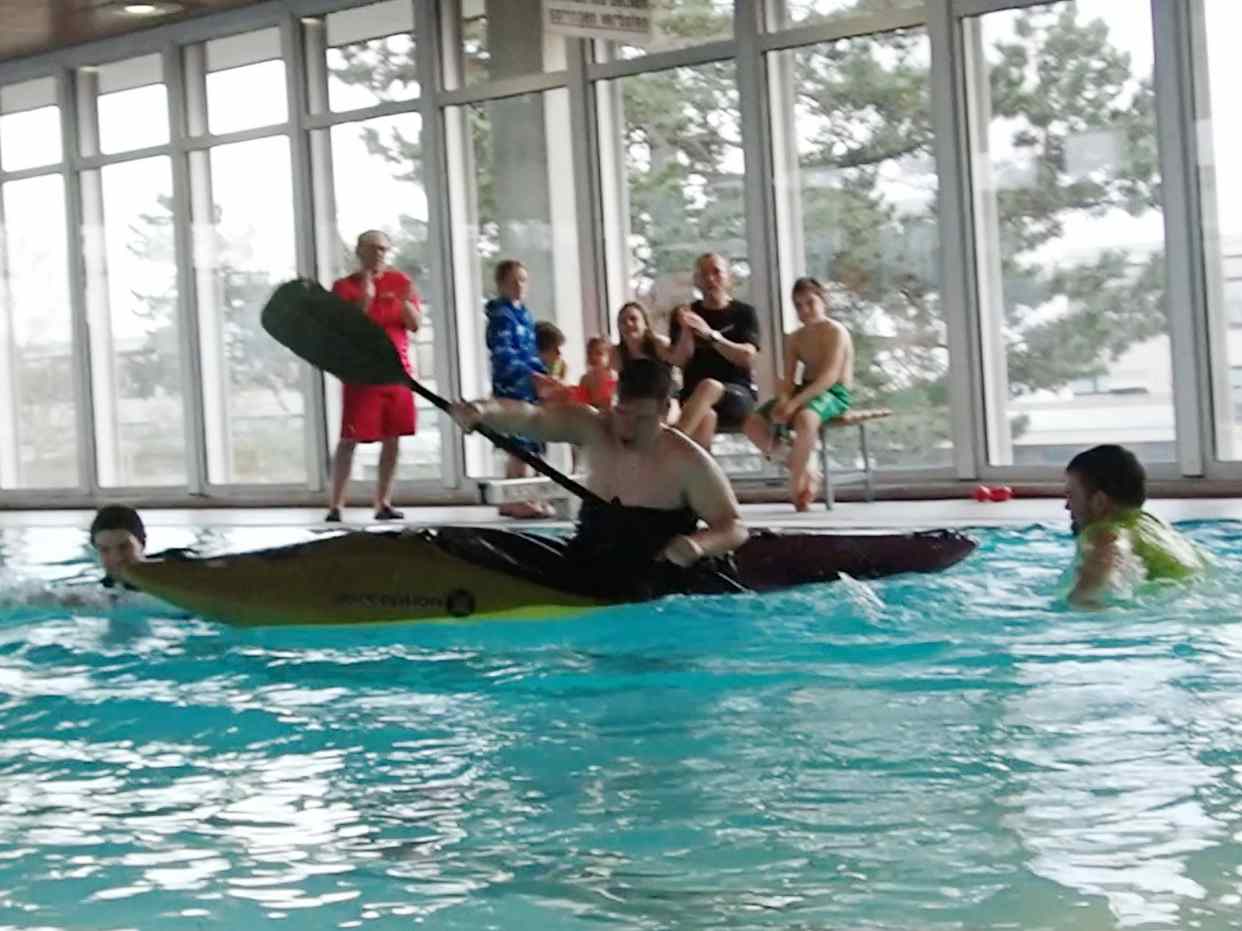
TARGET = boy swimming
x,y
1118,541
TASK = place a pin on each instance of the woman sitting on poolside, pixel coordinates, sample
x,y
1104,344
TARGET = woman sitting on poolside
x,y
639,341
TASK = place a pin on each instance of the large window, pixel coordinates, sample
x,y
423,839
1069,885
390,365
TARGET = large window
x,y
856,183
132,307
29,125
1219,73
1069,226
369,174
254,391
793,137
369,54
131,105
38,411
376,180
245,82
513,197
673,182
135,331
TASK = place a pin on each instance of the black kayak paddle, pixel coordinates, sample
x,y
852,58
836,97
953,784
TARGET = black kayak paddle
x,y
331,334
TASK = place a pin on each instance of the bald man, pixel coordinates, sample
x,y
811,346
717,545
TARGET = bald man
x,y
714,342
377,413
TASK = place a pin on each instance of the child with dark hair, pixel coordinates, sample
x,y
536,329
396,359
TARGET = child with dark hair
x,y
548,340
1118,541
119,538
786,427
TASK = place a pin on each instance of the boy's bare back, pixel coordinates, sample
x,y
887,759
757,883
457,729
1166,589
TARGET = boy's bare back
x,y
821,345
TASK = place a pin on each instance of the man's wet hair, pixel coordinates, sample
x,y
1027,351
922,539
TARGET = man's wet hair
x,y
548,336
1113,470
119,517
645,378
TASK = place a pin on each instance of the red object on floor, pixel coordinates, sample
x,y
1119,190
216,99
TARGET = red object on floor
x,y
1001,493
983,493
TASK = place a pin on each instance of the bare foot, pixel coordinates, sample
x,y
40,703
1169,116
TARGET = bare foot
x,y
805,490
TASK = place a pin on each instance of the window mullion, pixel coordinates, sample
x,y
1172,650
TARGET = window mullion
x,y
88,478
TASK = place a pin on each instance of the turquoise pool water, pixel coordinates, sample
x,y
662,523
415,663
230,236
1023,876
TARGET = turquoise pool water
x,y
925,752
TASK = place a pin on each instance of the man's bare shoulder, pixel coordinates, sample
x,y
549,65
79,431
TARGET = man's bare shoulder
x,y
588,416
676,446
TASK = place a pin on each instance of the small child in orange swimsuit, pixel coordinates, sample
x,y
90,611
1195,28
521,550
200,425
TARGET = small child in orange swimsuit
x,y
599,383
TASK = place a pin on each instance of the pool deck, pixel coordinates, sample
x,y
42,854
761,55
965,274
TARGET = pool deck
x,y
879,515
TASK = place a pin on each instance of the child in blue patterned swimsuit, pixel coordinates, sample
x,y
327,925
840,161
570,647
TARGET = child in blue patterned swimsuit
x,y
514,359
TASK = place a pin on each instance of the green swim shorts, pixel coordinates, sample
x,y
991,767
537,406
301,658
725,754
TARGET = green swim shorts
x,y
832,403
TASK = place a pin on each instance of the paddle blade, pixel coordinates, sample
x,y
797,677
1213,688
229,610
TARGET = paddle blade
x,y
332,334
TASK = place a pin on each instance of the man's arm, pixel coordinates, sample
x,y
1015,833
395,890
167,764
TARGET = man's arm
x,y
740,354
681,341
1100,557
411,308
555,424
711,497
741,351
834,343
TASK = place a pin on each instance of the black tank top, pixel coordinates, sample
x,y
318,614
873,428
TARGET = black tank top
x,y
633,535
616,546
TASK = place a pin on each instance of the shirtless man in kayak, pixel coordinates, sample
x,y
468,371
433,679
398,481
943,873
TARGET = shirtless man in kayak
x,y
664,481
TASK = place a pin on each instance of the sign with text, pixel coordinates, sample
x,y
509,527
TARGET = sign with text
x,y
618,20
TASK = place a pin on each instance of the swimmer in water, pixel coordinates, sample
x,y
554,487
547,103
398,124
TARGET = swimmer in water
x,y
1105,490
119,539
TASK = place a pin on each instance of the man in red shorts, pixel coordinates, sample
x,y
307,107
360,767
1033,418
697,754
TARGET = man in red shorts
x,y
376,413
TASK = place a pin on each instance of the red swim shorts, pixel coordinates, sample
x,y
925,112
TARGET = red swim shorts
x,y
376,412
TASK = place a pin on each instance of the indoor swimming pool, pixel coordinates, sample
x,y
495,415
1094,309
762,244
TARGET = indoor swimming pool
x,y
955,750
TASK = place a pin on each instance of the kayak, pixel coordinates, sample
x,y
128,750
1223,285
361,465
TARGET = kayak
x,y
439,573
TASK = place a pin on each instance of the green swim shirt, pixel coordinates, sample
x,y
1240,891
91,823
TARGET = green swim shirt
x,y
1164,552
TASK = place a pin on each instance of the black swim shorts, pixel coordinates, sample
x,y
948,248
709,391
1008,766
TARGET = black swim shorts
x,y
734,406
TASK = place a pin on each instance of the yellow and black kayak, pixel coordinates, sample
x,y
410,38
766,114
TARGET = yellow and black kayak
x,y
439,573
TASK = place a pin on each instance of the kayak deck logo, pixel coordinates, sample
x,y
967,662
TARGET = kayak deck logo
x,y
457,603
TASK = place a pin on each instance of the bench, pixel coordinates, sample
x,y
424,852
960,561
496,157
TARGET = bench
x,y
856,418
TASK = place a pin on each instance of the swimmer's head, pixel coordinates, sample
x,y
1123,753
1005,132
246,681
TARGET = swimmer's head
x,y
119,537
1101,481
